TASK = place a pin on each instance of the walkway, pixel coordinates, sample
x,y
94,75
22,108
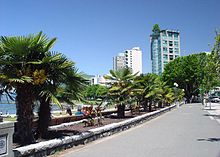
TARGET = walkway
x,y
184,132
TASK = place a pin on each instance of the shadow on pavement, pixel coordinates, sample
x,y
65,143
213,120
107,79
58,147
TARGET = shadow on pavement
x,y
209,139
208,109
213,115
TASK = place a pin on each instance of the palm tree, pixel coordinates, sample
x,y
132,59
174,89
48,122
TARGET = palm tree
x,y
19,61
37,75
180,94
148,88
167,95
63,84
120,88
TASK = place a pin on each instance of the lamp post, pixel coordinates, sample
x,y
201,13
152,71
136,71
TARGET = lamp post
x,y
184,99
175,93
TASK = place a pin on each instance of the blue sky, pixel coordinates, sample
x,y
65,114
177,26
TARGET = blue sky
x,y
91,32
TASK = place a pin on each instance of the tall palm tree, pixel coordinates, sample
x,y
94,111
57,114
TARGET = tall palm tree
x,y
120,88
63,84
37,75
19,61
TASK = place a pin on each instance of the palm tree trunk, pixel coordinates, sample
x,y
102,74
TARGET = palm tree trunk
x,y
44,115
24,104
138,107
150,106
160,104
121,111
145,105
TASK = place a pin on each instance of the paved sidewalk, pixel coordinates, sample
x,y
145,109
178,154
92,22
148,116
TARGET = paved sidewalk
x,y
213,111
186,131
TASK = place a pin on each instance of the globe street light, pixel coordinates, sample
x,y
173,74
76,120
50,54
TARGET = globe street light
x,y
175,84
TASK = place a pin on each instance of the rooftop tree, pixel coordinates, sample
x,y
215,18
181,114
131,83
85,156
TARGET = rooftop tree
x,y
156,29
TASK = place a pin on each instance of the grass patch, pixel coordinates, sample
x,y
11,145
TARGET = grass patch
x,y
11,119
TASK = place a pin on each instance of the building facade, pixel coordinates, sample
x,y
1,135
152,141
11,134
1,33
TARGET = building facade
x,y
131,59
165,47
99,79
119,61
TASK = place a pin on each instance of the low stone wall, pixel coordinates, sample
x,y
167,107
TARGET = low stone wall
x,y
52,146
6,132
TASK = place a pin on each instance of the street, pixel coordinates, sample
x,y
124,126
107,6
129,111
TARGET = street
x,y
188,131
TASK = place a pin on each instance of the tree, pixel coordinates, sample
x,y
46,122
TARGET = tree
x,y
18,56
212,69
166,94
120,88
63,84
190,73
94,92
37,75
156,29
148,88
216,52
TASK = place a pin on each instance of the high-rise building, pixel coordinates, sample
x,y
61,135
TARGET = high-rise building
x,y
165,47
119,61
130,58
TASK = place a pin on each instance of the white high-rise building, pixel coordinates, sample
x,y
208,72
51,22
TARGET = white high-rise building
x,y
119,61
130,58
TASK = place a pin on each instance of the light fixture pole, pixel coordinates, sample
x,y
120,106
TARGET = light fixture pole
x,y
175,93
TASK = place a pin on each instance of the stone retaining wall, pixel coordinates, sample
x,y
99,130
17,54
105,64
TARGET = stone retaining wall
x,y
52,146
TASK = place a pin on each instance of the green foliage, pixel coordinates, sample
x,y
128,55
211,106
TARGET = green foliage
x,y
121,86
152,89
27,64
156,29
191,73
93,92
216,52
148,85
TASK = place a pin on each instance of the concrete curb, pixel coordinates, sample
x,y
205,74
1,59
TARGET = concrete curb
x,y
52,146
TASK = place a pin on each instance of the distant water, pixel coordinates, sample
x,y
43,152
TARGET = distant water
x,y
11,108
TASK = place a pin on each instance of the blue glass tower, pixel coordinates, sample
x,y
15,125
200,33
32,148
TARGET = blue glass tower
x,y
165,47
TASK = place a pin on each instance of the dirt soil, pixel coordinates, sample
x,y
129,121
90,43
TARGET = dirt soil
x,y
80,128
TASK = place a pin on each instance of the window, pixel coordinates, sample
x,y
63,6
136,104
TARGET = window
x,y
176,44
165,62
176,56
164,42
170,34
175,35
171,57
176,50
170,50
165,57
164,49
170,43
164,34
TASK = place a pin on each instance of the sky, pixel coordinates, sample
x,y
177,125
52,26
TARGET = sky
x,y
92,32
